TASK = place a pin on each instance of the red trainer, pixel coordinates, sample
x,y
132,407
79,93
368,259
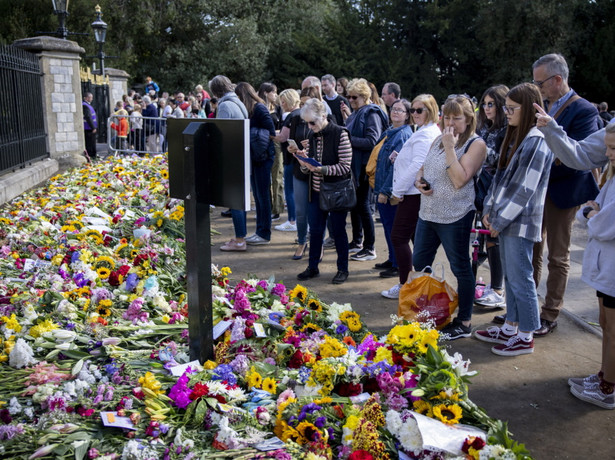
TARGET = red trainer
x,y
493,334
514,347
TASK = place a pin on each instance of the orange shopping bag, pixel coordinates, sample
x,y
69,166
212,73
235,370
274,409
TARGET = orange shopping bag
x,y
425,292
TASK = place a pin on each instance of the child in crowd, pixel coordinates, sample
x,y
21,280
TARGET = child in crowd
x,y
598,272
513,211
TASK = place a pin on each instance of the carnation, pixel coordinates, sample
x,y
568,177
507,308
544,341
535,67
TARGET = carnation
x,y
21,355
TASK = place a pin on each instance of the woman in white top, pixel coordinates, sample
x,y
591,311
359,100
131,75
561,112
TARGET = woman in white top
x,y
447,204
424,113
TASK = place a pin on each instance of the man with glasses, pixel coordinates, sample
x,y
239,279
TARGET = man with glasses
x,y
567,189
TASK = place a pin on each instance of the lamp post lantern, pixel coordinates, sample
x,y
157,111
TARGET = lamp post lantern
x,y
100,33
60,8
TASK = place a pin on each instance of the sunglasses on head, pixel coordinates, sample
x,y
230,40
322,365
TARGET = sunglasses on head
x,y
419,111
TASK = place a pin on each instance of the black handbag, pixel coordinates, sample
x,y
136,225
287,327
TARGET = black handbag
x,y
338,196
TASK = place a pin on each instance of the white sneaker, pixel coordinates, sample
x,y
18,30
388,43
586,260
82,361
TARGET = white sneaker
x,y
490,298
256,240
286,227
392,293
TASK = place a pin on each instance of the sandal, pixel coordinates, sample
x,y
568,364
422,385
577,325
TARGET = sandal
x,y
300,252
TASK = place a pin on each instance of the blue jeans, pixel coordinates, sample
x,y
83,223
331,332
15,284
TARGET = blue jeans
x,y
318,223
239,223
455,238
301,190
289,194
387,217
361,214
260,179
521,298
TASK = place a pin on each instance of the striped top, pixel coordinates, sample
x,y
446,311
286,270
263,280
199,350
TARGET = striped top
x,y
342,168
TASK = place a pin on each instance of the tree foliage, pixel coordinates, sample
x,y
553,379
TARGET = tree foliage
x,y
435,46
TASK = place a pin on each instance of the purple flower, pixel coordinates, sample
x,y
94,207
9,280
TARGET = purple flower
x,y
180,393
75,257
263,283
131,282
341,329
320,422
278,289
224,372
10,431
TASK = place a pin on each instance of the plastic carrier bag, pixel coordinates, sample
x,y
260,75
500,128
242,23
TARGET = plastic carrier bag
x,y
426,292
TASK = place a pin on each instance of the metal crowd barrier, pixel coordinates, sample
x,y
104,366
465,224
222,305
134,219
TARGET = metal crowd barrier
x,y
128,134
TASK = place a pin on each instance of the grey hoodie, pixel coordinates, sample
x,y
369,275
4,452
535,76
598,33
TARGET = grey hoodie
x,y
229,106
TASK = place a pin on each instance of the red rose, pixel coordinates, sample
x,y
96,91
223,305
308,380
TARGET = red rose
x,y
348,389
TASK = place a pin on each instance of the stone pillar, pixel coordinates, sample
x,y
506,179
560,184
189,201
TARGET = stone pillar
x,y
118,85
59,60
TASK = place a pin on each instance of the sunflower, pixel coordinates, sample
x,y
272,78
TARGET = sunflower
x,y
314,306
423,407
449,414
299,292
310,327
105,261
254,379
308,432
103,311
269,385
164,173
103,272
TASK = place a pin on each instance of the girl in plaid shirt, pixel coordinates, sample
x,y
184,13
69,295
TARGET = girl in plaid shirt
x,y
513,211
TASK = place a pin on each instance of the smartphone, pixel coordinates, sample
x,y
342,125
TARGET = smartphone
x,y
427,184
292,143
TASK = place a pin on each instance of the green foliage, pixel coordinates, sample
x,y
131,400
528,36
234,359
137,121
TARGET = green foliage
x,y
433,46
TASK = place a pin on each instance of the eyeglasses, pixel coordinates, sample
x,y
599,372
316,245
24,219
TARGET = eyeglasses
x,y
540,83
400,111
509,109
488,104
353,97
419,111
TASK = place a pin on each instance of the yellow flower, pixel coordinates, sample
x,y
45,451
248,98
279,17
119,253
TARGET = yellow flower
x,y
209,364
11,323
332,348
298,292
449,414
314,306
269,385
105,261
423,407
103,272
149,381
225,271
165,319
307,431
41,328
254,379
384,354
164,173
103,311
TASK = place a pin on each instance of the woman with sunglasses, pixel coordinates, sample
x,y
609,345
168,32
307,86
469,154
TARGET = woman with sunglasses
x,y
513,211
491,126
386,150
366,124
424,113
330,146
447,203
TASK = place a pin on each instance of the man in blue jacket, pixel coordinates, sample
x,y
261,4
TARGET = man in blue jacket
x,y
568,188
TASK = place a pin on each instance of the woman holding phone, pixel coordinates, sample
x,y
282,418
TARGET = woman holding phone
x,y
329,145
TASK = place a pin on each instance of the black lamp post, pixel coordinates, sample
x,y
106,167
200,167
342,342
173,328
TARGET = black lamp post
x,y
100,33
60,8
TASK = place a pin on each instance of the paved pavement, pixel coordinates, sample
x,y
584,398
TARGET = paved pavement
x,y
529,392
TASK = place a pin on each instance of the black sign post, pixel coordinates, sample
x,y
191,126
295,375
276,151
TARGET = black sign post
x,y
208,165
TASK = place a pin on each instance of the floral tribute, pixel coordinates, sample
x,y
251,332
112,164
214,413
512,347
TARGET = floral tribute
x,y
94,357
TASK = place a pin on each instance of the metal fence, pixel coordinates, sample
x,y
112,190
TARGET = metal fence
x,y
22,124
136,134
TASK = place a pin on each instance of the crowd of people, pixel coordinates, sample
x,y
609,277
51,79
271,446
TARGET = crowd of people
x,y
433,171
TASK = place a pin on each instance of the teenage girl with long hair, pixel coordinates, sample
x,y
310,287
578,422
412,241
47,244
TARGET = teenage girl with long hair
x,y
513,211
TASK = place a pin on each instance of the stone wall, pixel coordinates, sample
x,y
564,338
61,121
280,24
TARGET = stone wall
x,y
118,85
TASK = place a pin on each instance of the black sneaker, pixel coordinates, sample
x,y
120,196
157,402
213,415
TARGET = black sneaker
x,y
455,330
392,272
329,243
226,213
364,254
354,247
308,273
384,265
340,277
